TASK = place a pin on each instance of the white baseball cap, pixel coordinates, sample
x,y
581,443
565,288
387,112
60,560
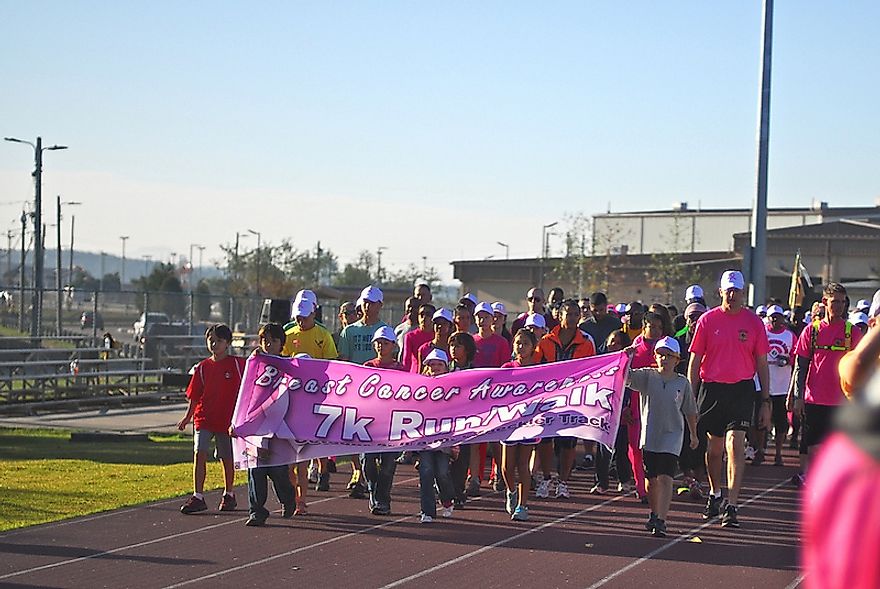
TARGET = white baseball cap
x,y
669,343
694,291
775,310
863,305
499,309
484,308
303,308
532,291
442,313
436,354
732,279
385,332
536,320
856,318
620,308
372,294
468,297
306,295
762,310
302,356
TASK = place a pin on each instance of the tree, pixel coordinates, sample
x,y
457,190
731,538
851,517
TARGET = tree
x,y
358,273
670,273
111,283
202,301
82,280
590,254
163,281
409,276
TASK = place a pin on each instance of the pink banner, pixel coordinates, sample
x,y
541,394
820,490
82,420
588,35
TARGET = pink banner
x,y
291,410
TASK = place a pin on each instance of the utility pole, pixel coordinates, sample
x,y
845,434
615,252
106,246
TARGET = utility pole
x,y
70,269
9,253
201,253
21,277
124,238
103,256
379,251
58,325
758,259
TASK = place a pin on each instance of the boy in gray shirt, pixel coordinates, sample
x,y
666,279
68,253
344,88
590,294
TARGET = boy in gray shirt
x,y
666,400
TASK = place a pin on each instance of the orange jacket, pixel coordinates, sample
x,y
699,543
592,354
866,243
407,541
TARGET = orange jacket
x,y
550,348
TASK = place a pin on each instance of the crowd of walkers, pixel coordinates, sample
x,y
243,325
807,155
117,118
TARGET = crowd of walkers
x,y
709,389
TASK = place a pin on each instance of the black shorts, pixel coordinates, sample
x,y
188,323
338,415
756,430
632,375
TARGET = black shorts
x,y
817,424
726,407
657,463
561,443
779,415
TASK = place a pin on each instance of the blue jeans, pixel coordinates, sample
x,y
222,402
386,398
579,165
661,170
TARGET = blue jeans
x,y
434,466
258,488
379,471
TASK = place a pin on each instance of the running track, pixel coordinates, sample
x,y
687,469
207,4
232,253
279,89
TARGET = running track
x,y
587,541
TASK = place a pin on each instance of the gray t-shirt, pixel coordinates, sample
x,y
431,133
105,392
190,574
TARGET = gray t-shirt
x,y
663,404
356,341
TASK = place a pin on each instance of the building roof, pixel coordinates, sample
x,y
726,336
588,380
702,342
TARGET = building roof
x,y
841,229
820,209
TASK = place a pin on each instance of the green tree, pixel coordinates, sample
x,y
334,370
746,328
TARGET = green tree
x,y
671,273
166,293
111,282
358,273
202,301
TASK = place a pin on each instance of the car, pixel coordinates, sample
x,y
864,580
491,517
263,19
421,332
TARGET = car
x,y
89,319
146,319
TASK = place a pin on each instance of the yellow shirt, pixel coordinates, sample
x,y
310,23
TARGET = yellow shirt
x,y
316,342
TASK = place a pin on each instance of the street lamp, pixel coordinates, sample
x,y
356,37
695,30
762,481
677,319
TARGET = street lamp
x,y
58,204
37,297
379,251
544,248
192,266
201,253
72,223
124,238
506,249
259,238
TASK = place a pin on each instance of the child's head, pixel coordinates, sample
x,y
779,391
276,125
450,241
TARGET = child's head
x,y
426,313
663,312
524,344
569,314
537,325
616,341
435,363
271,338
304,314
371,304
499,313
442,324
484,316
652,326
385,343
462,348
218,337
667,354
463,317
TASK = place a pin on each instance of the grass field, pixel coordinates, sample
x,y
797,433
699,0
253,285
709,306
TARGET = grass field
x,y
46,477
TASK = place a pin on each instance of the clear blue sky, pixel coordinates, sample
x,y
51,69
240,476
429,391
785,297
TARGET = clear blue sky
x,y
432,129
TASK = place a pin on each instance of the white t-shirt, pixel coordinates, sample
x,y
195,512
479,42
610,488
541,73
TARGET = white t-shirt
x,y
780,360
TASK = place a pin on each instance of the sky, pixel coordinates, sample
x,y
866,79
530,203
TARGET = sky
x,y
434,130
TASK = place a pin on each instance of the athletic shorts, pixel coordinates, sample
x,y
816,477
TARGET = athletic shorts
x,y
817,424
726,407
222,443
779,414
561,443
657,463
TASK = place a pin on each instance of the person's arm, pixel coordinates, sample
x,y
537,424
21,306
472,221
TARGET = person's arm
x,y
797,391
856,366
344,351
193,395
763,370
692,429
694,371
190,410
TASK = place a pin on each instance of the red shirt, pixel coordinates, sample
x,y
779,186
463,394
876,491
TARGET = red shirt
x,y
424,350
823,380
376,363
214,389
412,341
644,357
492,351
729,343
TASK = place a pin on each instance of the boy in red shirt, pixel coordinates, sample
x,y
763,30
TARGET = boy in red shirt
x,y
212,392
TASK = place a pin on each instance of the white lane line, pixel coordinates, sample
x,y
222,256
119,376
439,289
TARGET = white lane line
x,y
678,540
154,541
479,551
288,553
797,581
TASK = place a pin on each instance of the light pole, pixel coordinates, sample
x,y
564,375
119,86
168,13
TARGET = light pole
x,y
544,248
379,251
37,297
147,259
259,255
124,238
506,249
192,266
201,253
103,270
58,307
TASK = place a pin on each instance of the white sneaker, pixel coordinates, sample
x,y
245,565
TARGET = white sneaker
x,y
426,519
542,491
750,453
447,511
562,490
626,488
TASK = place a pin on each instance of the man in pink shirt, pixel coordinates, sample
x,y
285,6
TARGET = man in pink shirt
x,y
729,348
817,392
416,338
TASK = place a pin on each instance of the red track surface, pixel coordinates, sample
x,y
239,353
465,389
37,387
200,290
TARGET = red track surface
x,y
586,541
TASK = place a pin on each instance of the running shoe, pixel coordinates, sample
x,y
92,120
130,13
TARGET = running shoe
x,y
729,520
255,520
562,490
652,521
323,482
358,491
798,480
659,529
598,490
193,505
301,508
498,485
520,514
696,490
425,519
750,453
288,510
759,458
713,507
542,491
473,488
381,510
447,510
313,473
626,488
512,500
228,502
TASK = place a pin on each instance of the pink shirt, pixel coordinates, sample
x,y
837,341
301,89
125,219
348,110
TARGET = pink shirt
x,y
823,380
644,356
412,341
424,350
492,351
729,344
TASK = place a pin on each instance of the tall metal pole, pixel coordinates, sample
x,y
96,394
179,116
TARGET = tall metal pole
x,y
22,277
757,266
9,254
37,297
124,238
201,254
70,269
58,266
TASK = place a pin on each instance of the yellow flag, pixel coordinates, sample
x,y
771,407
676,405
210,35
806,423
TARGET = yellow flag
x,y
796,291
